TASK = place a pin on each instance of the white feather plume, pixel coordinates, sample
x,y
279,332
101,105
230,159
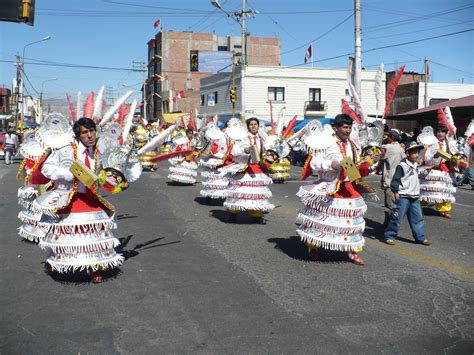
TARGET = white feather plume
x,y
79,108
156,141
262,131
128,121
109,114
379,89
449,117
357,104
280,121
98,104
470,129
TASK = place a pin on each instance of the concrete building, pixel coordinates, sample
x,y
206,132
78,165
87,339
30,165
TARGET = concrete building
x,y
306,92
177,61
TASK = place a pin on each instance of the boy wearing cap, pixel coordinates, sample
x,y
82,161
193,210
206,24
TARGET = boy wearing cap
x,y
406,189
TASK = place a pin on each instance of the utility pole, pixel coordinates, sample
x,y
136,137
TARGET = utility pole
x,y
19,92
244,63
357,48
109,95
141,66
426,82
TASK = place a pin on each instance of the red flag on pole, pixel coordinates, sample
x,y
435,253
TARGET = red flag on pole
x,y
309,54
157,23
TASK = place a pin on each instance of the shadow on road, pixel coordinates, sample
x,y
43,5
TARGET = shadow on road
x,y
79,277
175,183
207,201
130,253
296,249
374,229
241,218
125,216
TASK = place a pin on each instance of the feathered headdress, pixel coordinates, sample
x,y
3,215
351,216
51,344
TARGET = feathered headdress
x,y
392,87
89,105
443,121
290,127
72,110
358,104
111,111
379,88
345,108
79,111
98,105
450,119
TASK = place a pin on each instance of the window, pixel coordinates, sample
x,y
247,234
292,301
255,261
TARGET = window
x,y
437,101
314,95
276,94
215,97
194,61
202,100
222,48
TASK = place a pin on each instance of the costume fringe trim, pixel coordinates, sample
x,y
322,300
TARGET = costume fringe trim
x,y
330,245
86,248
32,237
182,179
236,206
312,222
63,267
27,193
28,219
64,228
219,194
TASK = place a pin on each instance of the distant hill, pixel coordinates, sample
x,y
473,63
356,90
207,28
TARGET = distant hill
x,y
56,105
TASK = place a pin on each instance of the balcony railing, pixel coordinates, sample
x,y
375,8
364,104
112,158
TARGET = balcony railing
x,y
317,106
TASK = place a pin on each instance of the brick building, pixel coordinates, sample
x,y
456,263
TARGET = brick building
x,y
410,96
5,97
177,61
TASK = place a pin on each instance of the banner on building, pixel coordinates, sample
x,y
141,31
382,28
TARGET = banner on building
x,y
210,61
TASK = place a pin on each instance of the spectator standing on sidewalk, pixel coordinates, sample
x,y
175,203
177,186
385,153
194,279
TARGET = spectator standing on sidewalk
x,y
11,142
406,190
392,155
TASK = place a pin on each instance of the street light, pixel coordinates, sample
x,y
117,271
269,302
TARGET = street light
x,y
29,44
20,64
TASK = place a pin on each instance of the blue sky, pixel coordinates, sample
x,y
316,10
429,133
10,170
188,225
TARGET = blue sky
x,y
114,33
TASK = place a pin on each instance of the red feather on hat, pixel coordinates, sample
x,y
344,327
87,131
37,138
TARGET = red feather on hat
x,y
392,87
72,110
345,108
89,105
290,127
443,121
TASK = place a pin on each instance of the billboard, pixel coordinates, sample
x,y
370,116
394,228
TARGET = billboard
x,y
211,61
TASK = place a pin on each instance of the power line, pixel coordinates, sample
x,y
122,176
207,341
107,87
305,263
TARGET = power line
x,y
452,68
385,26
313,40
28,80
419,40
416,31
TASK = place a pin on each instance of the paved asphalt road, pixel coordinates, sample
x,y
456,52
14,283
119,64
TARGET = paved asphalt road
x,y
192,282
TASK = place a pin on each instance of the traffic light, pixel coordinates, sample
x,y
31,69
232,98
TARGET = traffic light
x,y
233,95
18,11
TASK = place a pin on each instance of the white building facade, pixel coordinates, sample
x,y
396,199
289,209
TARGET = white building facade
x,y
439,92
306,92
